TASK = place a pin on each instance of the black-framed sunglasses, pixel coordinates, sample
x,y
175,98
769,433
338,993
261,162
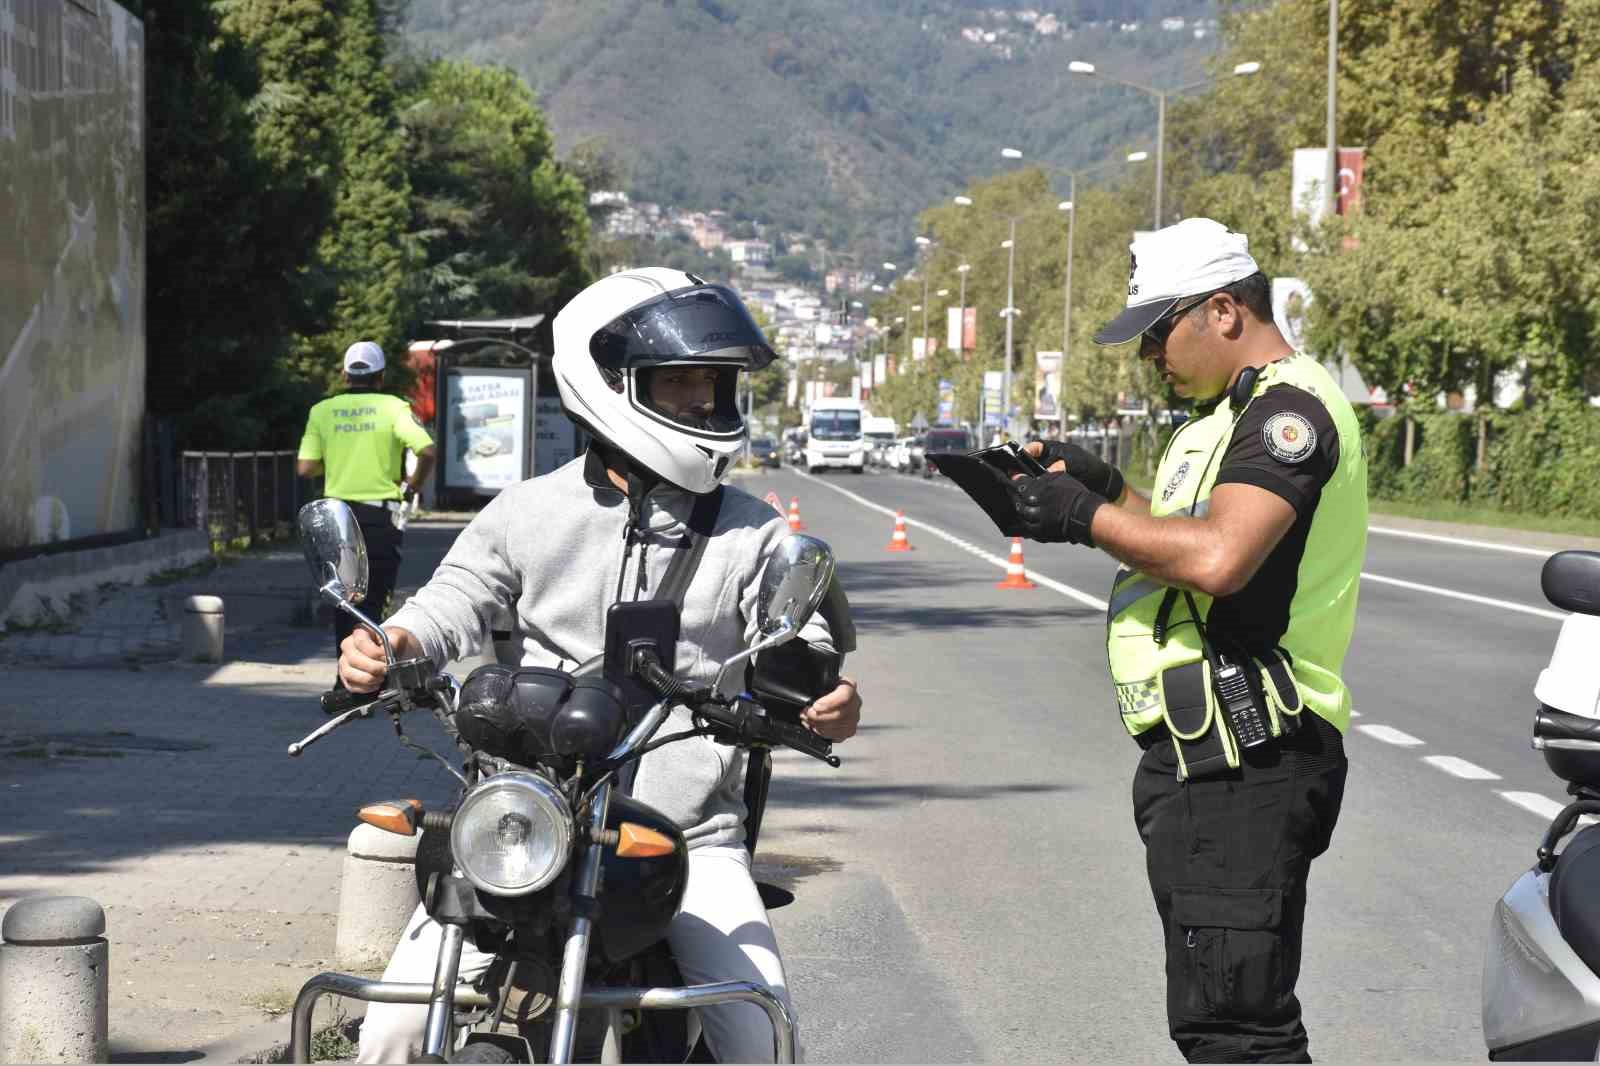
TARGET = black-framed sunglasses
x,y
1159,330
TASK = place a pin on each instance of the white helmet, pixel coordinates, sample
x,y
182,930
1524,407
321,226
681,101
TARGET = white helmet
x,y
612,335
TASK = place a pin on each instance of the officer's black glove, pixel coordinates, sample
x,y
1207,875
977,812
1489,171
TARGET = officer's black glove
x,y
1098,475
1056,507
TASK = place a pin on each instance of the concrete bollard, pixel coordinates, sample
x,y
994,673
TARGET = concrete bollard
x,y
202,629
54,980
377,896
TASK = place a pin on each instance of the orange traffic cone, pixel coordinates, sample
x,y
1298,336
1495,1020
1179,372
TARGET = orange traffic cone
x,y
795,525
1016,576
898,541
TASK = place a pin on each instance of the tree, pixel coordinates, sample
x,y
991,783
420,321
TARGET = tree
x,y
501,227
227,239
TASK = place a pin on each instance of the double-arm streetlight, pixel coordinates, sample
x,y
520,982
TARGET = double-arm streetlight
x,y
1077,66
1069,205
1010,245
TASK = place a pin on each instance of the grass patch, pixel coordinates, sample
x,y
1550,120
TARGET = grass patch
x,y
1457,513
334,1041
183,573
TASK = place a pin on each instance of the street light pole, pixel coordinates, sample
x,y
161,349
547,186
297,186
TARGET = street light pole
x,y
961,345
1330,179
1160,97
1011,313
1066,312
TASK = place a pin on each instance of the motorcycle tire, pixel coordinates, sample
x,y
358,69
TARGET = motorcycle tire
x,y
484,1051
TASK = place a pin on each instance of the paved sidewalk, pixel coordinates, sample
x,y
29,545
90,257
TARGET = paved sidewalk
x,y
162,789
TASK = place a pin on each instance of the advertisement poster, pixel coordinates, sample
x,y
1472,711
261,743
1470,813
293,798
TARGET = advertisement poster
x,y
486,428
947,402
555,438
880,368
866,368
993,382
1047,386
952,329
969,331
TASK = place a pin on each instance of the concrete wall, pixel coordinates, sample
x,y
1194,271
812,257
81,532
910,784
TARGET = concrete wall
x,y
34,590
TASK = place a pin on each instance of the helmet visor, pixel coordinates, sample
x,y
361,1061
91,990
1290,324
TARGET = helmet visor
x,y
701,324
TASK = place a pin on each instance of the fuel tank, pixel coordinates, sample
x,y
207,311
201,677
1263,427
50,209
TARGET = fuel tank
x,y
639,897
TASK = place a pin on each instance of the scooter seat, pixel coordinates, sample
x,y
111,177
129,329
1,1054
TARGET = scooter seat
x,y
1571,745
1575,895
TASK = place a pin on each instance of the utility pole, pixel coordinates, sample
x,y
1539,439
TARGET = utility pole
x,y
1331,174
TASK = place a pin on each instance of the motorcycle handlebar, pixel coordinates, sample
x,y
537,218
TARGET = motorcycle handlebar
x,y
339,700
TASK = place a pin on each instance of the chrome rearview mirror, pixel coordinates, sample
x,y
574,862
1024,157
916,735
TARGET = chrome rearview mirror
x,y
335,549
792,585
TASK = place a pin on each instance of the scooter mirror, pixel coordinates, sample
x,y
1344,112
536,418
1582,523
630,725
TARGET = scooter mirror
x,y
1571,581
792,585
334,549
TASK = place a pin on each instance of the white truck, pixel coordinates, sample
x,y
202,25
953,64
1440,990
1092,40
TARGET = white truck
x,y
834,435
880,433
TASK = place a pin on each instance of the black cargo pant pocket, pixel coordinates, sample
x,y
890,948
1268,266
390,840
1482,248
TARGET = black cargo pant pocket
x,y
1226,960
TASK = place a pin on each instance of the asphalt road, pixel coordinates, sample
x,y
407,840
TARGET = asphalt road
x,y
970,885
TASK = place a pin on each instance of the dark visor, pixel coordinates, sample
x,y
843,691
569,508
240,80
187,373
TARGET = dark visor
x,y
706,323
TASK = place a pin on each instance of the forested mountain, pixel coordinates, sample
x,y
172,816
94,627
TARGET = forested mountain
x,y
842,118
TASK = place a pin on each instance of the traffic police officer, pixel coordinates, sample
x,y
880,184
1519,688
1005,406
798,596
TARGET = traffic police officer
x,y
359,439
1227,628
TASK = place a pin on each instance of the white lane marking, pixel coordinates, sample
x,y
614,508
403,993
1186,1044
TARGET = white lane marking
x,y
1543,806
1390,735
1049,583
1355,713
1457,767
1541,553
1504,605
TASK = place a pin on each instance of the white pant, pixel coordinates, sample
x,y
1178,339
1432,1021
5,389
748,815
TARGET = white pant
x,y
720,934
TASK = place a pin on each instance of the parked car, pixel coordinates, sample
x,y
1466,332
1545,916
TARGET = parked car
x,y
764,451
943,440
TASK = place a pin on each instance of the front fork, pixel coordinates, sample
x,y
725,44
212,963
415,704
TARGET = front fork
x,y
575,957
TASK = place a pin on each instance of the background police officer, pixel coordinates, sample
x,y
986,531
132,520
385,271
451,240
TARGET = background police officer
x,y
358,439
1227,630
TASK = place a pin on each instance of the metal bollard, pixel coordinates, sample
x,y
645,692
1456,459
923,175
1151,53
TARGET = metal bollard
x,y
377,896
202,629
54,980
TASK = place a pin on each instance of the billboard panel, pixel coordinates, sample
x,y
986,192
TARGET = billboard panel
x,y
486,428
1047,386
880,368
72,278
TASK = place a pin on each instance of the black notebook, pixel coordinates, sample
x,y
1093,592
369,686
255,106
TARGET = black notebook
x,y
987,486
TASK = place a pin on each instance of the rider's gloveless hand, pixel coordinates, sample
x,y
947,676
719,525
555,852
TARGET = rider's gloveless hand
x,y
836,714
362,666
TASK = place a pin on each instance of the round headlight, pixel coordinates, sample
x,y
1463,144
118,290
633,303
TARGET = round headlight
x,y
512,834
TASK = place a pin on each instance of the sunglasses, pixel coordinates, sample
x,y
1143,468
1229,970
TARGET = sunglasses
x,y
1159,330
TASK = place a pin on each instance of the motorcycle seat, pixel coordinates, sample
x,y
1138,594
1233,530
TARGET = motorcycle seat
x,y
1575,896
1571,745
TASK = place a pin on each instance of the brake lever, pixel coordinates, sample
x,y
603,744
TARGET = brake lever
x,y
364,711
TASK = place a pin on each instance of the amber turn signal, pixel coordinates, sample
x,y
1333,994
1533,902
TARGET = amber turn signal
x,y
636,842
395,816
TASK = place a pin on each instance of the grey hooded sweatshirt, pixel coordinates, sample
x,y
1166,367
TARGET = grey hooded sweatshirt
x,y
552,551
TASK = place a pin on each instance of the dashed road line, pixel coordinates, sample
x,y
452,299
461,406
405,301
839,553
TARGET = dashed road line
x,y
1543,806
1390,735
1458,767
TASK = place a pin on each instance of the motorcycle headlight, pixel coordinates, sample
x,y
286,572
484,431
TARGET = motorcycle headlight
x,y
512,834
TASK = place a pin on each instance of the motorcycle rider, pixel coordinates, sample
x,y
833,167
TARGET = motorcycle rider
x,y
647,361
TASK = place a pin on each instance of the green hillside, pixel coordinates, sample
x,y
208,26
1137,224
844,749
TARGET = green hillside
x,y
841,118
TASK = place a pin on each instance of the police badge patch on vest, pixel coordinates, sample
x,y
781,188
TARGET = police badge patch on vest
x,y
1289,437
1177,479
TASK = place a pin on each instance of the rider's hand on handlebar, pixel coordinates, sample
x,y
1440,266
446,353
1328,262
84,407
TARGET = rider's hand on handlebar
x,y
836,714
361,663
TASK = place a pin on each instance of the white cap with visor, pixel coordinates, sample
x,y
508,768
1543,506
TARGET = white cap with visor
x,y
1194,257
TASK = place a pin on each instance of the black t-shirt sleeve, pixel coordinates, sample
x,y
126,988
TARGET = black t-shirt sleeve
x,y
1285,443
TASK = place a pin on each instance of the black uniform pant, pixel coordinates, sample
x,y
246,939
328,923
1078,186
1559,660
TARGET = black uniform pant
x,y
383,567
1228,857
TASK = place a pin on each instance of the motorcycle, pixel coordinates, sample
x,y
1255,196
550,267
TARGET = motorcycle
x,y
544,859
1541,973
